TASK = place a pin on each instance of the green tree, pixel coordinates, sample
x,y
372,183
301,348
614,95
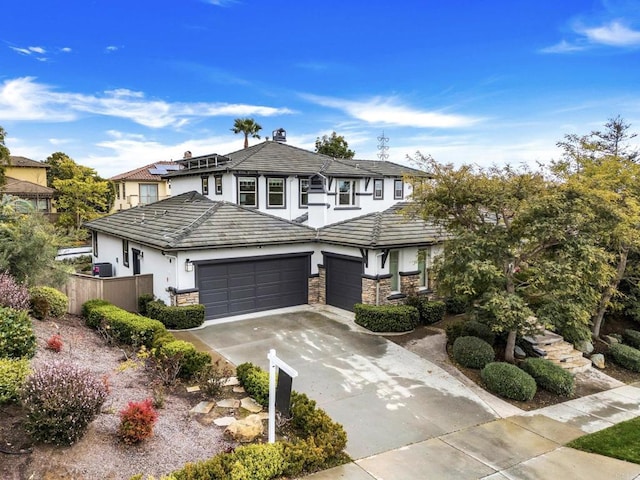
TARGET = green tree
x,y
509,228
29,244
335,146
5,158
602,167
81,194
248,127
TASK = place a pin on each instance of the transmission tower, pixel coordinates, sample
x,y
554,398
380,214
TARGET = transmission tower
x,y
383,147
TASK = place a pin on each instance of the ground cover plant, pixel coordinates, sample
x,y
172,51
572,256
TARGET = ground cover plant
x,y
619,441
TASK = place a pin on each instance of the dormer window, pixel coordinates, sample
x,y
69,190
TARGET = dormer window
x,y
346,194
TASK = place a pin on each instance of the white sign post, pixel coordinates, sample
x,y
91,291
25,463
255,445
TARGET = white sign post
x,y
274,364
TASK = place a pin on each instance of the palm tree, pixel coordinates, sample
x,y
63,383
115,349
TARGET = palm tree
x,y
248,126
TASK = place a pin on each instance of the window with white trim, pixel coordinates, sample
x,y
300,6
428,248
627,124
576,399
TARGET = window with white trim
x,y
148,193
275,193
218,181
94,238
424,263
248,191
398,189
205,185
125,253
346,194
303,184
394,269
378,188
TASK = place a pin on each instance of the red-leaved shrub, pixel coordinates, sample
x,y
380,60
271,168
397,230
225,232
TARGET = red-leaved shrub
x,y
55,343
137,421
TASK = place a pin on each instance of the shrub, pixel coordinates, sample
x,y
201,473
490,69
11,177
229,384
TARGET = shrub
x,y
387,318
509,381
472,352
61,400
13,373
137,421
12,293
47,301
456,305
17,339
124,327
257,462
431,311
255,381
89,306
453,331
142,303
212,377
473,328
191,360
55,343
625,356
549,376
631,337
176,318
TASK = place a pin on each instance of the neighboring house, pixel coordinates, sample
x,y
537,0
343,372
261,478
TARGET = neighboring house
x,y
27,179
238,259
142,186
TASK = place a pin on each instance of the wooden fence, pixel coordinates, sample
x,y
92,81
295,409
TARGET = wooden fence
x,y
121,291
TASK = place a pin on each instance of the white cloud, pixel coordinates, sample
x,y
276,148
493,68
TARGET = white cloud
x,y
25,99
23,51
111,48
221,3
563,47
39,50
390,111
65,49
614,34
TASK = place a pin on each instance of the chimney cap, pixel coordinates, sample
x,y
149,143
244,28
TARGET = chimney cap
x,y
279,135
187,154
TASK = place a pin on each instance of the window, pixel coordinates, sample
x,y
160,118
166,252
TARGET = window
x,y
304,191
247,191
117,185
205,185
275,193
398,189
394,269
347,193
148,193
423,266
218,185
124,191
94,238
125,253
378,189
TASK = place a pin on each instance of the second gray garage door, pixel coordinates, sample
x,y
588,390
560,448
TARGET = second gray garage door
x,y
244,286
344,281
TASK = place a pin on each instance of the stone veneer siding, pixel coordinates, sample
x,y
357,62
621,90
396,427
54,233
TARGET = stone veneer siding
x,y
409,283
314,289
180,299
318,287
379,287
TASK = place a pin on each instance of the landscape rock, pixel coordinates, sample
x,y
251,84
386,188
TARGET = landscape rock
x,y
246,429
250,404
598,360
228,403
231,381
519,352
611,340
202,407
224,421
585,347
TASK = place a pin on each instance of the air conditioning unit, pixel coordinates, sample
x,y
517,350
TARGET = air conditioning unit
x,y
102,270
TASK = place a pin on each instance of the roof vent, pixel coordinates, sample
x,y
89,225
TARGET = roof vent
x,y
279,135
187,154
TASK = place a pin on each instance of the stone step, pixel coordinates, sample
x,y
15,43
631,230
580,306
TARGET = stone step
x,y
544,339
559,348
576,366
565,357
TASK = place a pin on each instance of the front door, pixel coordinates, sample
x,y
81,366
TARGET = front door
x,y
136,261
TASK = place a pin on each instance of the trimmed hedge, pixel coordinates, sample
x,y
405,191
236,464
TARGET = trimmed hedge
x,y
431,311
473,328
319,443
124,327
17,339
631,337
625,356
176,318
472,352
456,305
550,376
47,301
192,360
386,318
142,302
255,382
13,374
453,331
509,381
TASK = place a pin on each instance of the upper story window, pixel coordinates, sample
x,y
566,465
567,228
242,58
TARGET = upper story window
x,y
424,259
275,193
394,269
347,193
218,185
125,253
148,193
94,243
248,191
398,189
378,188
304,191
205,185
117,185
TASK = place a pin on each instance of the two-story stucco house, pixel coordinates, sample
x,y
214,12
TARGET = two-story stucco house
x,y
27,179
142,186
273,226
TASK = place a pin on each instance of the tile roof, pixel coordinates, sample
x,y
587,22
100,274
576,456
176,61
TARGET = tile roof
x,y
279,158
25,162
145,173
388,229
24,188
192,221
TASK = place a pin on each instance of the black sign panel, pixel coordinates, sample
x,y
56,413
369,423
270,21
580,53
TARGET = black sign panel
x,y
283,393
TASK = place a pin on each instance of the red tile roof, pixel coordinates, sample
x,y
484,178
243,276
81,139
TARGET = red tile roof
x,y
143,173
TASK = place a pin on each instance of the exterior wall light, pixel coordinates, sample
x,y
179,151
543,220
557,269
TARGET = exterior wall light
x,y
188,266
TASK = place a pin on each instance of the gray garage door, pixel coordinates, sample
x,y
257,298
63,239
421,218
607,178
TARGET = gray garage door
x,y
245,286
344,281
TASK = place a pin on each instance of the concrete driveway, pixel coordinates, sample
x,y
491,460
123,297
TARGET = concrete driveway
x,y
385,396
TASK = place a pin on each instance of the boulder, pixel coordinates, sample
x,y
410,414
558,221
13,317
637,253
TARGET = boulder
x,y
246,429
585,347
611,340
598,360
519,352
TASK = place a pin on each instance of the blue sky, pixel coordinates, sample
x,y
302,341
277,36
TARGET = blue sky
x,y
117,85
